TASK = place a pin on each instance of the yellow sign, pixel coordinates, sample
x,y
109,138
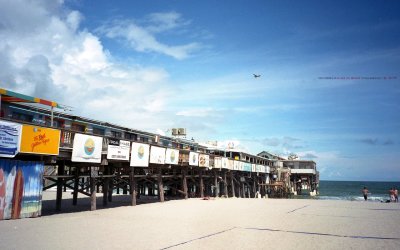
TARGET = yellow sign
x,y
39,140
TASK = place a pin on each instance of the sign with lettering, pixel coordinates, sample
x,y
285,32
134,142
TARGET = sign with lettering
x,y
87,148
9,139
118,150
40,140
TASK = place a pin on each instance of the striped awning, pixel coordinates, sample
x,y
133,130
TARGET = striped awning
x,y
10,96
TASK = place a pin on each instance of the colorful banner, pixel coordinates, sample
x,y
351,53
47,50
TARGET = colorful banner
x,y
9,139
87,148
204,161
118,149
172,156
140,155
39,140
193,159
157,155
20,189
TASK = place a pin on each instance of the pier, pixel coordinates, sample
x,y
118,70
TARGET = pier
x,y
89,157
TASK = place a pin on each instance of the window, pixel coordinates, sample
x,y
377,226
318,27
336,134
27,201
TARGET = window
x,y
22,117
78,127
98,131
116,134
130,136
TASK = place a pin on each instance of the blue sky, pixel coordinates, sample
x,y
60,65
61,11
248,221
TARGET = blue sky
x,y
155,65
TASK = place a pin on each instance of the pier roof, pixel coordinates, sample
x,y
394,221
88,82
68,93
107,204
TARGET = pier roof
x,y
10,96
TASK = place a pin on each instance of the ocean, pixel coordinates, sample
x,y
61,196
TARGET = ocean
x,y
351,190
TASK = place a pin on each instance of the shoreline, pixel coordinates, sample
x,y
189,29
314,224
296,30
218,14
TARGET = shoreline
x,y
222,223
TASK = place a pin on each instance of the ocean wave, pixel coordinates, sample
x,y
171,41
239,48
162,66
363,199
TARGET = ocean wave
x,y
353,198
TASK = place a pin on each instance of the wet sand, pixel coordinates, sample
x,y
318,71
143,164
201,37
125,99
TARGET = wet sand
x,y
208,224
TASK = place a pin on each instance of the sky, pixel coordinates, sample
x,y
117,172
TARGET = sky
x,y
329,89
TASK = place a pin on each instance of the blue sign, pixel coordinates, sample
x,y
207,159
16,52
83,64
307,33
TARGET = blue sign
x,y
9,139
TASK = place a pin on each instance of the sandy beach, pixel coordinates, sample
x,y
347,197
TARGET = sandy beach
x,y
208,224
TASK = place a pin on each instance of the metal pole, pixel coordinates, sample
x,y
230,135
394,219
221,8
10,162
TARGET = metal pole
x,y
51,122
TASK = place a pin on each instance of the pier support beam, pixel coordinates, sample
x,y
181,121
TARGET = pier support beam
x,y
216,192
232,184
225,185
60,182
160,185
92,193
76,187
184,183
201,184
133,186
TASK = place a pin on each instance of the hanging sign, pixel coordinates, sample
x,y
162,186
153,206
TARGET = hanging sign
x,y
193,159
9,139
204,161
230,164
224,162
140,155
217,162
157,155
172,156
118,150
39,140
87,148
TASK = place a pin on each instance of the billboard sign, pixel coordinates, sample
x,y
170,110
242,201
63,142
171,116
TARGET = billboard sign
x,y
118,150
204,161
9,139
224,162
157,155
39,140
87,148
172,156
193,159
140,155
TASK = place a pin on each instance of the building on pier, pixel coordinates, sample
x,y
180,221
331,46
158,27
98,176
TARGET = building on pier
x,y
87,156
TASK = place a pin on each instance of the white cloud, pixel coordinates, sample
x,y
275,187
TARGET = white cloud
x,y
45,53
142,38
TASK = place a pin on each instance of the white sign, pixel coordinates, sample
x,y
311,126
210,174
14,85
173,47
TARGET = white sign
x,y
87,148
172,156
10,139
217,162
157,155
236,165
118,150
224,162
204,161
230,164
140,155
193,159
